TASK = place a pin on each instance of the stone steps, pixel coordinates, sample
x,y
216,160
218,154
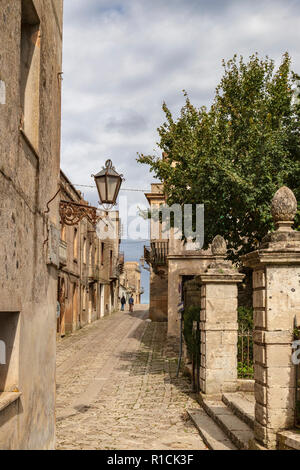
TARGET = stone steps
x,y
239,433
211,434
242,405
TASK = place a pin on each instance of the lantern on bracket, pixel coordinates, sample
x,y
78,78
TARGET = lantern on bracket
x,y
108,183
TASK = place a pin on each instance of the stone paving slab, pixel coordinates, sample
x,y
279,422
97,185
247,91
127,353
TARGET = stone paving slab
x,y
117,389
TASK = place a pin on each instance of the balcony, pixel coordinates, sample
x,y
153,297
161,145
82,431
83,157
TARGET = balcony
x,y
156,254
121,262
62,253
117,267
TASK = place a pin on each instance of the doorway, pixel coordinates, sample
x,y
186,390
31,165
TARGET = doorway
x,y
61,321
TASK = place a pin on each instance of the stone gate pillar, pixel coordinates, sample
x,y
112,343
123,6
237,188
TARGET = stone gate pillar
x,y
276,302
218,323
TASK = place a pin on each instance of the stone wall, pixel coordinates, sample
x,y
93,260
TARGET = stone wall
x,y
29,172
133,275
190,264
276,302
158,309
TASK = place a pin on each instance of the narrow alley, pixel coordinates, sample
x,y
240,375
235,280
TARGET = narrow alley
x,y
117,388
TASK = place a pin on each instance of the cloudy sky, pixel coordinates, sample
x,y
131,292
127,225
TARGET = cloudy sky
x,y
123,58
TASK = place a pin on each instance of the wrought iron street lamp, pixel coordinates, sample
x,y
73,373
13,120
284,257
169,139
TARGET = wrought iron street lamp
x,y
108,183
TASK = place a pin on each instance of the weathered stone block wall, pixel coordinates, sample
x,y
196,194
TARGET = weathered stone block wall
x,y
276,302
273,300
158,309
28,180
191,264
219,327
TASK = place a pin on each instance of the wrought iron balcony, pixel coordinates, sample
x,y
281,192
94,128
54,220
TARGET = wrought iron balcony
x,y
121,262
117,267
156,254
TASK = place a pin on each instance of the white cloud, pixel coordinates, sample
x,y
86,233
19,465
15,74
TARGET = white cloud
x,y
123,58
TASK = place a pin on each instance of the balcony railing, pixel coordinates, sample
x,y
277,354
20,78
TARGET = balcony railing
x,y
121,262
156,254
62,253
117,267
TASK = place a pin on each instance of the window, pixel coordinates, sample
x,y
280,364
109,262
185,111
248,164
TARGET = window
x,y
63,233
76,318
110,262
9,349
30,72
90,256
102,254
75,244
96,255
84,251
83,298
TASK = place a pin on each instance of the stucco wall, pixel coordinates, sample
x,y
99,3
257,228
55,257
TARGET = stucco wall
x,y
28,180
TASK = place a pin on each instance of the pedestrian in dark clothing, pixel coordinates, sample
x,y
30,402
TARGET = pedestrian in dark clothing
x,y
123,302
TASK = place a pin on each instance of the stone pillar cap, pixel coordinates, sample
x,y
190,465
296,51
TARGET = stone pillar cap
x,y
219,246
284,209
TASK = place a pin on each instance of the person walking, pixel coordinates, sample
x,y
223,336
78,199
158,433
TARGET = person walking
x,y
131,303
123,302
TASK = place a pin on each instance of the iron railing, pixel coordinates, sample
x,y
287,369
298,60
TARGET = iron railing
x,y
156,254
245,353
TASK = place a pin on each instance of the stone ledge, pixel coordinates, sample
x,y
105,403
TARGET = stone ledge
x,y
245,385
284,337
242,405
212,435
238,432
7,398
289,439
260,258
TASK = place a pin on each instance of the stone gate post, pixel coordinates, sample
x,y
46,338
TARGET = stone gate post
x,y
276,302
218,323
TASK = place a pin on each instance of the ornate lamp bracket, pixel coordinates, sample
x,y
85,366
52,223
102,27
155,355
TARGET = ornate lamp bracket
x,y
72,213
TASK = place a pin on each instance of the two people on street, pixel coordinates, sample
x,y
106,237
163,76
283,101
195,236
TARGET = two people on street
x,y
123,303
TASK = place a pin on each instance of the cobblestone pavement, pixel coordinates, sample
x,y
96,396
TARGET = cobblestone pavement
x,y
117,388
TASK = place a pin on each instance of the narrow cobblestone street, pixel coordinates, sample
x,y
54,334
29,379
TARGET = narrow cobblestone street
x,y
117,388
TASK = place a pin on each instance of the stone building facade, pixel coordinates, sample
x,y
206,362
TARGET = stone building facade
x,y
131,282
89,268
172,263
30,109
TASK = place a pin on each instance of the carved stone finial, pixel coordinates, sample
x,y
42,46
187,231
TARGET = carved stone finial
x,y
284,208
219,246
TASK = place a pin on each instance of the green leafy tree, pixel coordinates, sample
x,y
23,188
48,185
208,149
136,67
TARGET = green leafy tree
x,y
234,156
